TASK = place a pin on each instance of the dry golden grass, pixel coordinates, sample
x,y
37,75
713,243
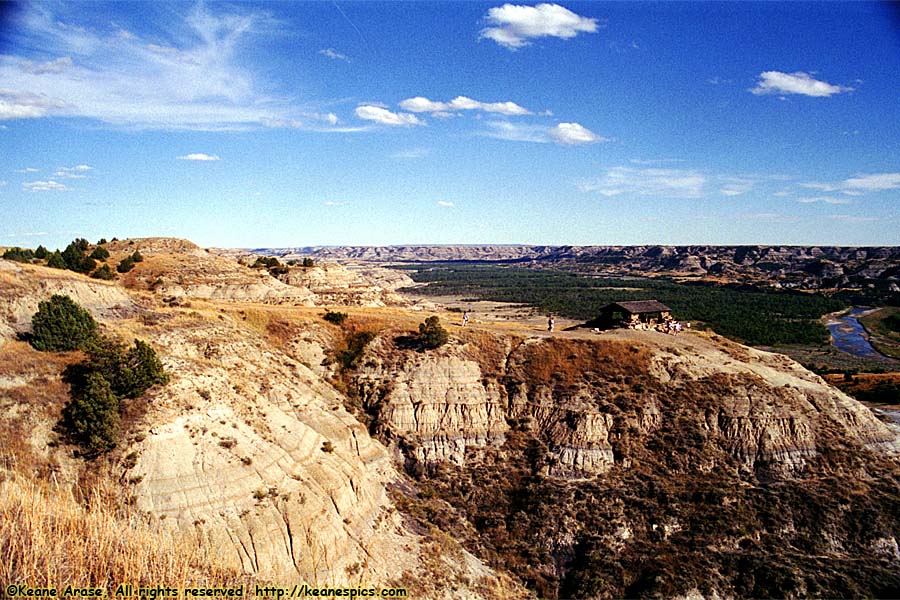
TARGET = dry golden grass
x,y
566,361
49,538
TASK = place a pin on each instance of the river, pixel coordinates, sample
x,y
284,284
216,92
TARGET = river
x,y
849,335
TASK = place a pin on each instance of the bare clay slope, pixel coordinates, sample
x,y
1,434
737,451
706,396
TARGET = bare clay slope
x,y
247,447
637,463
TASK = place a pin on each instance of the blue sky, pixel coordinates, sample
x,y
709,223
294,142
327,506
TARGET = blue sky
x,y
371,123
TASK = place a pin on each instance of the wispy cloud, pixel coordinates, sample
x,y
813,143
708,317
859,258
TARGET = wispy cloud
x,y
25,105
566,134
874,183
736,186
768,217
28,170
411,153
824,200
335,203
776,82
853,218
76,172
670,183
859,185
197,79
383,116
199,156
514,26
444,203
424,105
44,186
334,54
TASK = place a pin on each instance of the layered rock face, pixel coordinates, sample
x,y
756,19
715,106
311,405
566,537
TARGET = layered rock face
x,y
584,398
439,403
332,284
640,464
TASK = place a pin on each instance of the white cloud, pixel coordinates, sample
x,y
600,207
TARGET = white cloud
x,y
824,200
334,203
736,186
655,161
52,66
196,80
776,82
25,105
874,183
199,156
411,153
445,203
3,183
514,25
768,217
279,123
566,134
571,134
44,186
76,172
334,54
504,130
853,218
858,185
28,170
420,105
385,117
671,183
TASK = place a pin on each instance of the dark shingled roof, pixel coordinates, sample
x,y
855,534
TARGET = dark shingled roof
x,y
640,306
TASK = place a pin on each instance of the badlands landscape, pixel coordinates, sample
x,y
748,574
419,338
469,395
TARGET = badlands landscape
x,y
289,445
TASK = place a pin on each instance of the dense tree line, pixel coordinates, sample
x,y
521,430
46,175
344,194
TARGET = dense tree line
x,y
746,314
76,258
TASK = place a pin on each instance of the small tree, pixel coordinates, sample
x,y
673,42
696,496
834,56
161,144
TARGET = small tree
x,y
103,272
41,253
137,257
129,373
24,255
308,262
145,368
100,253
56,261
431,334
75,258
60,325
91,418
125,265
101,242
337,318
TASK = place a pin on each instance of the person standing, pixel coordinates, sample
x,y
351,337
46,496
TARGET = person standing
x,y
465,318
550,323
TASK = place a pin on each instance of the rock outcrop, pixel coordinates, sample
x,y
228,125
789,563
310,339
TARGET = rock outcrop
x,y
332,284
766,410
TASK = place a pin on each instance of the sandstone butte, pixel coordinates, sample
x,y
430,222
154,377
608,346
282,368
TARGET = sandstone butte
x,y
506,463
